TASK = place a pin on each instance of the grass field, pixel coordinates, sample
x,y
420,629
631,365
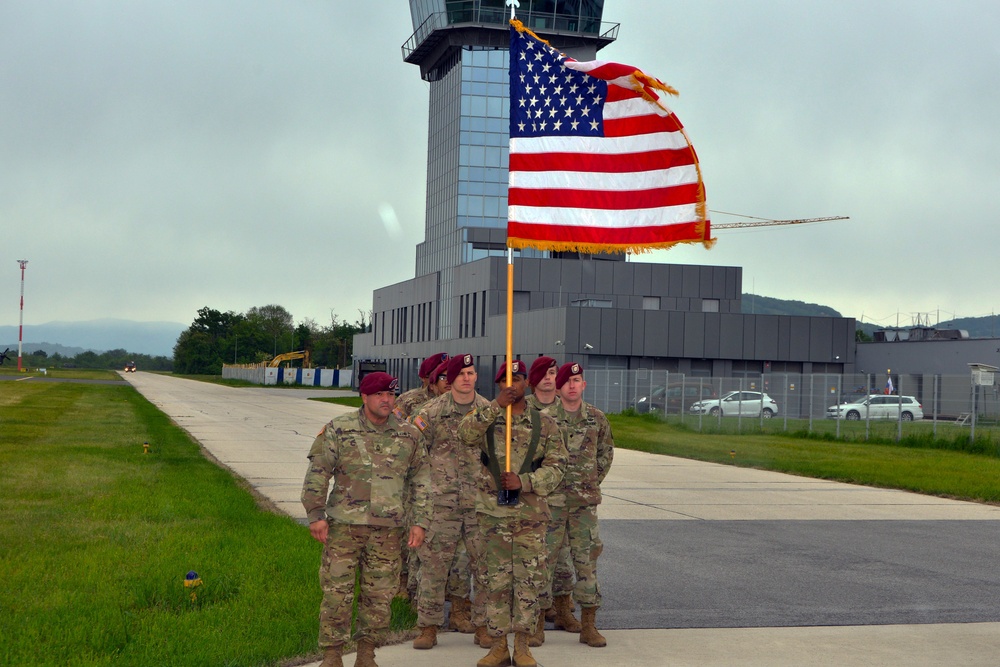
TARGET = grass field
x,y
921,464
96,538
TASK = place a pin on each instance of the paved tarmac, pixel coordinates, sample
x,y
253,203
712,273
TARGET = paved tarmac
x,y
704,564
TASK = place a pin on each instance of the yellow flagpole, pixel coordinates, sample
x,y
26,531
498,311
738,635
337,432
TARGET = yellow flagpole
x,y
510,338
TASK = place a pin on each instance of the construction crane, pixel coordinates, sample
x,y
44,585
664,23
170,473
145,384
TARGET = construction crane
x,y
764,222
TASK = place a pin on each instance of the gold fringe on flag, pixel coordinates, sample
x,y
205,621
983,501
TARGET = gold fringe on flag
x,y
595,248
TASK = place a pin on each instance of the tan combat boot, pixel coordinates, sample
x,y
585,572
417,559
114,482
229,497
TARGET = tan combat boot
x,y
537,638
482,637
458,617
499,655
565,620
428,638
366,654
589,635
522,654
333,657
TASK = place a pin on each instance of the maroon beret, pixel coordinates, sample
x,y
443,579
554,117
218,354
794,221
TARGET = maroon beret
x,y
517,367
439,372
430,363
539,367
566,371
378,381
456,364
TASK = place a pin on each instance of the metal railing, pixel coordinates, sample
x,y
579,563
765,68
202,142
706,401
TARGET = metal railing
x,y
941,405
477,15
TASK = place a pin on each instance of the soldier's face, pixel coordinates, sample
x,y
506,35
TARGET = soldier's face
x,y
465,383
572,389
520,385
378,406
441,386
548,382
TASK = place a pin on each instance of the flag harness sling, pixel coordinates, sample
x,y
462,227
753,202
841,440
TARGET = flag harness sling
x,y
489,459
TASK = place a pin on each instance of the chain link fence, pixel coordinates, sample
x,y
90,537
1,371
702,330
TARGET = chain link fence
x,y
851,406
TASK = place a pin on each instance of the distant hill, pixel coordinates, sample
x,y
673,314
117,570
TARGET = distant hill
x,y
152,338
987,326
765,305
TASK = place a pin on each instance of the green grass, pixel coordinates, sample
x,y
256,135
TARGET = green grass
x,y
349,401
96,538
916,464
63,373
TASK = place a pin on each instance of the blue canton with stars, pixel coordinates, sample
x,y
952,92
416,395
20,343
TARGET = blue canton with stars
x,y
548,99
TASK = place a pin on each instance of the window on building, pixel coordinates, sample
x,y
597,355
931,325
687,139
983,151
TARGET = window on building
x,y
709,305
591,303
650,303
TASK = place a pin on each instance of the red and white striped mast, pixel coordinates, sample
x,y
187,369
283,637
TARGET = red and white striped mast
x,y
20,326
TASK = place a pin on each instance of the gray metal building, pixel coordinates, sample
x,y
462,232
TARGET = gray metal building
x,y
602,311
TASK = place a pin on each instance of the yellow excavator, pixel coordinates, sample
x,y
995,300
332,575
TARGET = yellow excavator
x,y
289,356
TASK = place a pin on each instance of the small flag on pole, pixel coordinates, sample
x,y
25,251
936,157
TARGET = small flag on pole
x,y
598,163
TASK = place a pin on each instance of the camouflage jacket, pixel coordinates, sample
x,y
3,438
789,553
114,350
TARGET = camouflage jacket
x,y
538,405
409,402
591,447
551,453
454,465
371,465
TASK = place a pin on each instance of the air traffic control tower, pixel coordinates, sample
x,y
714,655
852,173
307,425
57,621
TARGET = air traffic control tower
x,y
600,310
461,48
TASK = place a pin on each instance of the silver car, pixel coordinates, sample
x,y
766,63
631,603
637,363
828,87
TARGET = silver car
x,y
745,403
878,406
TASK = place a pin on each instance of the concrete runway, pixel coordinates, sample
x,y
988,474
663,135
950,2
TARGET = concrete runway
x,y
704,564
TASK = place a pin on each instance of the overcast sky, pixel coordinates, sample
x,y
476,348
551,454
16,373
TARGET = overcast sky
x,y
157,157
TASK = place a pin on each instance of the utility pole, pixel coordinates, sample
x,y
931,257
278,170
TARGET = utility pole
x,y
20,326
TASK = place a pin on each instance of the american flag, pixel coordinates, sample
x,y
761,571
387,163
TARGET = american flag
x,y
597,161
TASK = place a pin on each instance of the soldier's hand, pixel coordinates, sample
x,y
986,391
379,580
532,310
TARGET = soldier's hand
x,y
319,530
507,396
510,481
416,537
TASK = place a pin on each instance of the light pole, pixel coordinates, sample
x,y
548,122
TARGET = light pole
x,y
20,325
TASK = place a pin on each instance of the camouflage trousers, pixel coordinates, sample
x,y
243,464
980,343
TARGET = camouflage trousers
x,y
460,576
562,577
373,550
576,526
516,568
449,528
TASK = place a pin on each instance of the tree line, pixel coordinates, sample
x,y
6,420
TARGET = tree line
x,y
112,359
216,338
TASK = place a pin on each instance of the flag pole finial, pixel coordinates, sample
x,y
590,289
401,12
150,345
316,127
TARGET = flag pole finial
x,y
512,4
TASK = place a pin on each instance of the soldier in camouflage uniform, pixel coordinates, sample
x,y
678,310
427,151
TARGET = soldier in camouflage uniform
x,y
513,536
573,504
453,467
407,405
372,457
542,380
408,402
459,581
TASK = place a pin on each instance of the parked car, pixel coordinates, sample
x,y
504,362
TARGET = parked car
x,y
878,406
746,403
673,398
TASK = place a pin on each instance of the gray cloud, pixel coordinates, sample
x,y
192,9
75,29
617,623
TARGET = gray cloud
x,y
159,157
